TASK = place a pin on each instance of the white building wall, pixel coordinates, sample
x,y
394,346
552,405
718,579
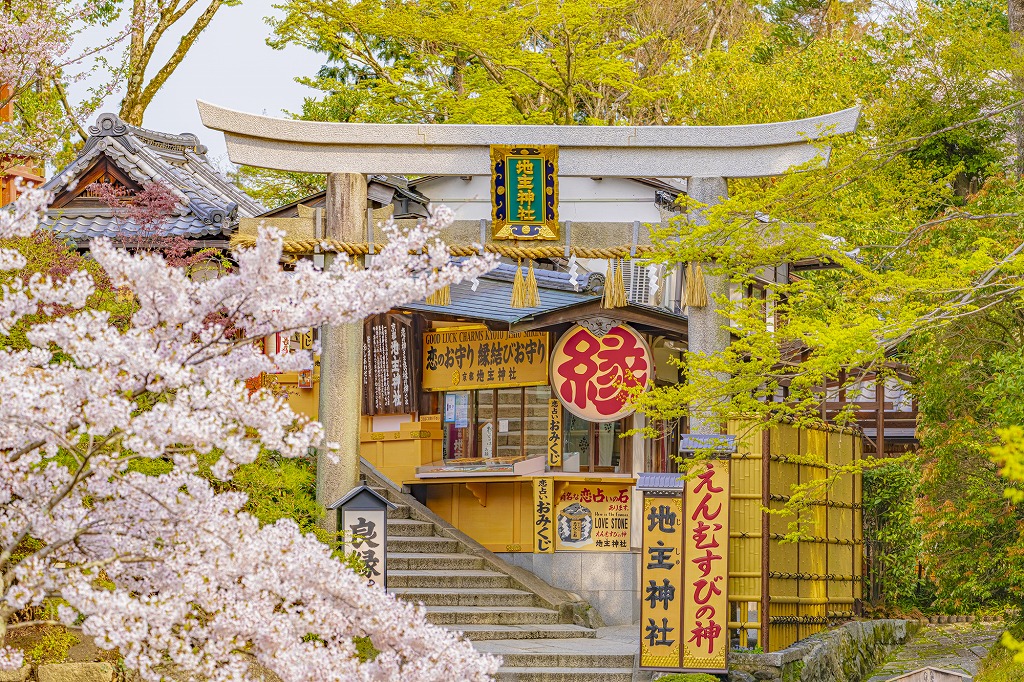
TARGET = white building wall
x,y
579,199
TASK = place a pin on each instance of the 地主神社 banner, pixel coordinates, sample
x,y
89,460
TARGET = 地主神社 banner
x,y
524,192
684,623
661,583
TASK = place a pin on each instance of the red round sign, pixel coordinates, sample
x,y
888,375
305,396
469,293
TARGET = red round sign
x,y
590,373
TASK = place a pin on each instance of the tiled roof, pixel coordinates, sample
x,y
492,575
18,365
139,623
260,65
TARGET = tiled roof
x,y
491,302
208,204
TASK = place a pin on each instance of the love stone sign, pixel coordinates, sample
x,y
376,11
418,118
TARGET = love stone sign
x,y
524,192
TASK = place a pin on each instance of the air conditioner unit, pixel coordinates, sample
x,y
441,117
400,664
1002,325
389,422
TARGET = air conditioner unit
x,y
636,281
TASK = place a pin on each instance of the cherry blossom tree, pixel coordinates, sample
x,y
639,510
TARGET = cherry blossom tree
x,y
173,574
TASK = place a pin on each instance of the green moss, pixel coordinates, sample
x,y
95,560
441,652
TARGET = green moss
x,y
791,673
688,677
52,647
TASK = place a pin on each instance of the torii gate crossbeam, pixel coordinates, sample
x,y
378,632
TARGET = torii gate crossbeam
x,y
742,151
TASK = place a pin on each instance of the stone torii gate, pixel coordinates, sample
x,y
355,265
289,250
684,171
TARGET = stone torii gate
x,y
347,152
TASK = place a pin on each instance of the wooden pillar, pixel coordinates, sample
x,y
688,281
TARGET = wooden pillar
x,y
766,535
708,329
341,355
879,416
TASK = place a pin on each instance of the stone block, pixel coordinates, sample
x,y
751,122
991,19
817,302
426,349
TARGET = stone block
x,y
616,606
567,571
75,672
602,572
541,566
740,676
19,675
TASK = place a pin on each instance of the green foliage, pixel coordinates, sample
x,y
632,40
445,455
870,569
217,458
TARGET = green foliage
x,y
52,646
890,497
50,256
969,385
274,188
1001,665
365,649
922,228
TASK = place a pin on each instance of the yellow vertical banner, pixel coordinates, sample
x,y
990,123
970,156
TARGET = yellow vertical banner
x,y
661,583
543,509
554,433
706,568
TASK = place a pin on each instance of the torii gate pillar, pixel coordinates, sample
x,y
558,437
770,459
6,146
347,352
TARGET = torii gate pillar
x,y
708,329
341,356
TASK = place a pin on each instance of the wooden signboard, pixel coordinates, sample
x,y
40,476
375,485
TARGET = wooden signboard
x,y
593,517
524,192
554,433
389,385
543,513
461,360
661,584
706,568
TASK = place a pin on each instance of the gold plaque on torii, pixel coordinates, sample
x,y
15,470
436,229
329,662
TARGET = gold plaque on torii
x,y
524,192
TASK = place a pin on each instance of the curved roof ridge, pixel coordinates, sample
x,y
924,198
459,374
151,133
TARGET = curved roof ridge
x,y
111,125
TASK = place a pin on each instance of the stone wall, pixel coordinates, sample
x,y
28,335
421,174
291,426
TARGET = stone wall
x,y
847,653
608,581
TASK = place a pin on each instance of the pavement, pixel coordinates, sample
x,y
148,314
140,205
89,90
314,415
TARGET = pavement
x,y
957,647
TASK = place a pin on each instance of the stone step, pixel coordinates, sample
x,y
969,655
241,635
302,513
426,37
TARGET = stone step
x,y
399,512
495,596
407,528
566,659
564,675
491,615
488,632
415,561
447,578
432,545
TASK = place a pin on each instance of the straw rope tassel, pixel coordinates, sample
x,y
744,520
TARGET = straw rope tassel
x,y
441,297
696,290
532,295
614,288
518,288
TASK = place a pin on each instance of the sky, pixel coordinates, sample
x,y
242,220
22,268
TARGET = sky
x,y
230,65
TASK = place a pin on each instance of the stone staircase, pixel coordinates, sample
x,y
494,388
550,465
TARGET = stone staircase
x,y
542,632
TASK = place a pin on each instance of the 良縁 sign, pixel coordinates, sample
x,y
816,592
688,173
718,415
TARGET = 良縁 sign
x,y
363,522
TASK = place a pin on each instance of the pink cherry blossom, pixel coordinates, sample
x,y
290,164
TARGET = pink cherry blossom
x,y
173,574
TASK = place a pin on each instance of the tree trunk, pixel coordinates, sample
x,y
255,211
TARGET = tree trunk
x,y
1015,13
